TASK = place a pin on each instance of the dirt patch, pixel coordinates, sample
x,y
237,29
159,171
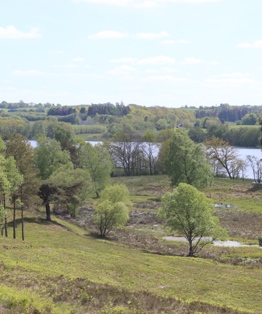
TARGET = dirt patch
x,y
237,223
240,224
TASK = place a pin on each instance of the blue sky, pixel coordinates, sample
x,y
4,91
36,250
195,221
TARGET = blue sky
x,y
147,52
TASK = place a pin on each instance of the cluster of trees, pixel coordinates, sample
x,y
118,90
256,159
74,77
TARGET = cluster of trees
x,y
66,172
22,104
238,136
61,111
59,171
103,121
108,109
225,112
132,155
186,210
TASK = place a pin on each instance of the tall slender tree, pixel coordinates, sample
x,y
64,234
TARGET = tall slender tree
x,y
186,162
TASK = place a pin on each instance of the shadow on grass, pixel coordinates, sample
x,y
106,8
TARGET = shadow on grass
x,y
255,187
40,221
95,235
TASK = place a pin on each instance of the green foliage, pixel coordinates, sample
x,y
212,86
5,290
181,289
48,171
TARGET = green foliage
x,y
71,187
108,108
97,161
19,148
188,211
237,136
197,135
249,119
14,177
111,209
186,162
49,156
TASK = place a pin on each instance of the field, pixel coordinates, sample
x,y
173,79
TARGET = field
x,y
63,267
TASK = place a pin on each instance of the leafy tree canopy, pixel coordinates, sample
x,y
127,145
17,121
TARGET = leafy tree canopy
x,y
189,212
186,162
111,210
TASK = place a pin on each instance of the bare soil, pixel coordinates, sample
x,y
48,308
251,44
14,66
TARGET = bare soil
x,y
237,223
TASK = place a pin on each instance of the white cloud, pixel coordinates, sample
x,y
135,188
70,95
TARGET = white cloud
x,y
158,60
31,73
108,35
167,78
57,52
152,35
235,80
68,66
78,59
142,3
123,60
10,32
123,70
174,42
198,61
256,44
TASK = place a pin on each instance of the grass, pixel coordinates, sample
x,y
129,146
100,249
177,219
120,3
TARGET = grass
x,y
62,268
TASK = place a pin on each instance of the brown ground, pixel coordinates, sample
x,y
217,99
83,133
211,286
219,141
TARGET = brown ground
x,y
143,229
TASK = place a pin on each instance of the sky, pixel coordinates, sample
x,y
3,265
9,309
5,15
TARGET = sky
x,y
167,53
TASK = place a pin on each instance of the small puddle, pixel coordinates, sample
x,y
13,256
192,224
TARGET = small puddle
x,y
183,239
215,243
234,244
228,243
225,206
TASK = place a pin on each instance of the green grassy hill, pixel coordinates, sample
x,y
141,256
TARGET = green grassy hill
x,y
62,268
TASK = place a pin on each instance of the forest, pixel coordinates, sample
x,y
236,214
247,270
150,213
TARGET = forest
x,y
98,122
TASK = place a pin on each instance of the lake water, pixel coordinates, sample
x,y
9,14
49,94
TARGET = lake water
x,y
243,153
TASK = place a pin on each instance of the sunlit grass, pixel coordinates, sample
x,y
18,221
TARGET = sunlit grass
x,y
61,268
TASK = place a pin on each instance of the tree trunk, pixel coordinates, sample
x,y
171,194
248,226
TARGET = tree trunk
x,y
22,221
6,227
191,251
14,226
48,211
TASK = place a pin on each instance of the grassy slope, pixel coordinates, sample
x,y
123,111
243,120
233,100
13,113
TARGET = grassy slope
x,y
52,270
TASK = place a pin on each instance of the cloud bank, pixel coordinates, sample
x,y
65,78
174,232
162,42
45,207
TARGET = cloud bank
x,y
10,32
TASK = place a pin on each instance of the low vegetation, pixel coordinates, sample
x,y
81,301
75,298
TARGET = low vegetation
x,y
63,267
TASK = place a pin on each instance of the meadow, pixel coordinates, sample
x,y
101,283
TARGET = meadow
x,y
63,267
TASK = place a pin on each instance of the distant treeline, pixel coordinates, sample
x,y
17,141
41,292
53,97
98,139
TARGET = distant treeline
x,y
238,136
103,121
94,109
226,112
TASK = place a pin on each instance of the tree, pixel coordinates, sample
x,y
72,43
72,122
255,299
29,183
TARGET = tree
x,y
111,210
256,165
15,179
186,162
64,187
49,157
249,119
4,188
197,135
162,155
20,148
150,150
97,161
225,155
127,151
164,135
189,212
